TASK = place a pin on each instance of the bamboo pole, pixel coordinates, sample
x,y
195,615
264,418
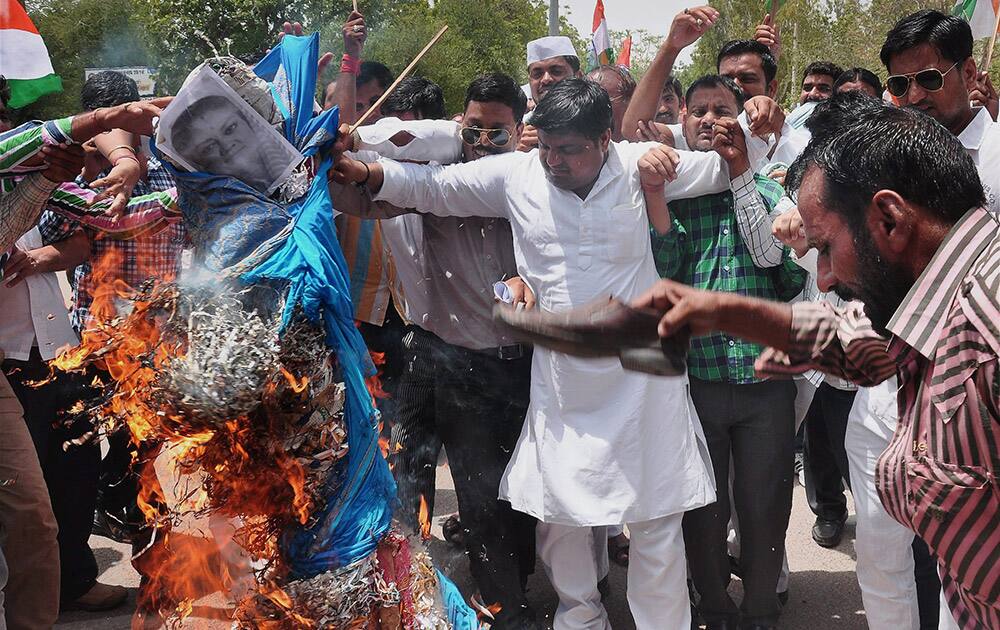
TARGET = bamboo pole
x,y
402,75
356,6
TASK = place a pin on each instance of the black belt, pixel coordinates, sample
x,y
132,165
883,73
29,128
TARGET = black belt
x,y
505,353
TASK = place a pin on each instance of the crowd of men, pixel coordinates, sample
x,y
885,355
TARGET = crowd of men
x,y
835,266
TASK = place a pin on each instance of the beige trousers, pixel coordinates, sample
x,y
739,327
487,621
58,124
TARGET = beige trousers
x,y
27,526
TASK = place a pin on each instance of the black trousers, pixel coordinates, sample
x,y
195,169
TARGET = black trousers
x,y
387,339
70,474
755,425
474,405
825,456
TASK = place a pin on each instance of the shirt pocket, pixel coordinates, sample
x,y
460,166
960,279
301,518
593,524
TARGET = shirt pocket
x,y
941,490
628,233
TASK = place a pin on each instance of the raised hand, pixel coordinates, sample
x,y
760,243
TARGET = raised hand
x,y
684,308
730,143
764,115
983,94
355,34
657,167
136,117
689,25
769,34
63,162
788,228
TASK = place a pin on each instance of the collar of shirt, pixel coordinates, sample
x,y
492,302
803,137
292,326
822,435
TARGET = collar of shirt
x,y
975,132
922,313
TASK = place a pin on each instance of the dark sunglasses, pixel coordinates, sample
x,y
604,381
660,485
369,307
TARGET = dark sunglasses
x,y
496,137
930,79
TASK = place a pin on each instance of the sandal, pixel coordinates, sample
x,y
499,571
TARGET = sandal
x,y
618,549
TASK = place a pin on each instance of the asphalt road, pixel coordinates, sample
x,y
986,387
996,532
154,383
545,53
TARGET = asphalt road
x,y
824,592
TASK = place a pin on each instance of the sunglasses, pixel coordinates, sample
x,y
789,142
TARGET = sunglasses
x,y
930,79
496,137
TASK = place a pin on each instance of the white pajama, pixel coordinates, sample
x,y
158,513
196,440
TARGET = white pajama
x,y
885,557
657,574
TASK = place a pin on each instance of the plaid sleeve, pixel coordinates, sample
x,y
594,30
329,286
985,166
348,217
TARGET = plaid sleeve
x,y
669,250
754,197
20,208
837,341
54,227
19,144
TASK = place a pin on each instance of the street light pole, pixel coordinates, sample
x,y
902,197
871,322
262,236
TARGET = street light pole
x,y
553,17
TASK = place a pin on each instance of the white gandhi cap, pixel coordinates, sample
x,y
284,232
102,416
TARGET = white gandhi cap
x,y
549,47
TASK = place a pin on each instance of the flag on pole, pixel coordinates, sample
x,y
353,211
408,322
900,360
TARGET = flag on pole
x,y
767,5
625,56
980,14
24,60
599,50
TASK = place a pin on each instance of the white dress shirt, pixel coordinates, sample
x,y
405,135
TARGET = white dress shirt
x,y
599,445
34,312
981,139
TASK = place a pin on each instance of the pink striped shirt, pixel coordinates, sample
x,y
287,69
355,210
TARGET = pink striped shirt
x,y
939,474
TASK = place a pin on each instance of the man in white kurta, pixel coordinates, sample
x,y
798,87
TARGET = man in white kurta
x,y
600,446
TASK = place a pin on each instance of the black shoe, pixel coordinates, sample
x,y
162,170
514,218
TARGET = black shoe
x,y
110,527
828,533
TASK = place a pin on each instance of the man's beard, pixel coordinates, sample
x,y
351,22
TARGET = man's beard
x,y
882,285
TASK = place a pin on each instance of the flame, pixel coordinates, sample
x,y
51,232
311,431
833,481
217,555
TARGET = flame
x,y
298,385
241,475
424,518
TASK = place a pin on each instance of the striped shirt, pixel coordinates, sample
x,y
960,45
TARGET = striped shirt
x,y
938,475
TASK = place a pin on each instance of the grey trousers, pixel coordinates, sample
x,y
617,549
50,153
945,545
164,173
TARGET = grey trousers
x,y
754,425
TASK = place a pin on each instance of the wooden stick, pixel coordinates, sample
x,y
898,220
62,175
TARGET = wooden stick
x,y
988,55
402,75
356,6
774,11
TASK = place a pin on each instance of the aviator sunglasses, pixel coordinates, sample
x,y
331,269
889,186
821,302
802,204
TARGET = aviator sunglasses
x,y
496,137
930,79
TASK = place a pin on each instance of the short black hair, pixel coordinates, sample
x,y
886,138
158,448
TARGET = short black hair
x,y
736,47
574,105
621,74
949,34
4,92
573,61
497,87
714,81
673,84
862,75
827,68
374,71
107,89
418,95
863,145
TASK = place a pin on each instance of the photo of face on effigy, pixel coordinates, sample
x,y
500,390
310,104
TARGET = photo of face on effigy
x,y
209,128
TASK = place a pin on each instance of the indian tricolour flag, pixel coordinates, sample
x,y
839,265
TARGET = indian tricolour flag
x,y
24,60
599,50
980,14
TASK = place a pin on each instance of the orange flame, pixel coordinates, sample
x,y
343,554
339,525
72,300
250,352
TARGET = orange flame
x,y
424,518
244,476
298,385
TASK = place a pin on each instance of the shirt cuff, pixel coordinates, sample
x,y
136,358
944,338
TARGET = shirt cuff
x,y
744,183
393,181
58,131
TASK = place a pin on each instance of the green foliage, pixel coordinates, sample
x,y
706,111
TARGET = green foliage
x,y
847,32
173,36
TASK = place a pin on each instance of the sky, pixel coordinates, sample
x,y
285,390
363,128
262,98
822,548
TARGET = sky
x,y
655,17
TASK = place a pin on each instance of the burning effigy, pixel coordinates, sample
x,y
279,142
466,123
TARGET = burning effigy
x,y
250,381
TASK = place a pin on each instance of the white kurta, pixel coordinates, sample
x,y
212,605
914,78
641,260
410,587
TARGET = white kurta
x,y
599,445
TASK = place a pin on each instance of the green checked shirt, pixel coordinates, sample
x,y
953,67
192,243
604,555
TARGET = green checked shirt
x,y
705,249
